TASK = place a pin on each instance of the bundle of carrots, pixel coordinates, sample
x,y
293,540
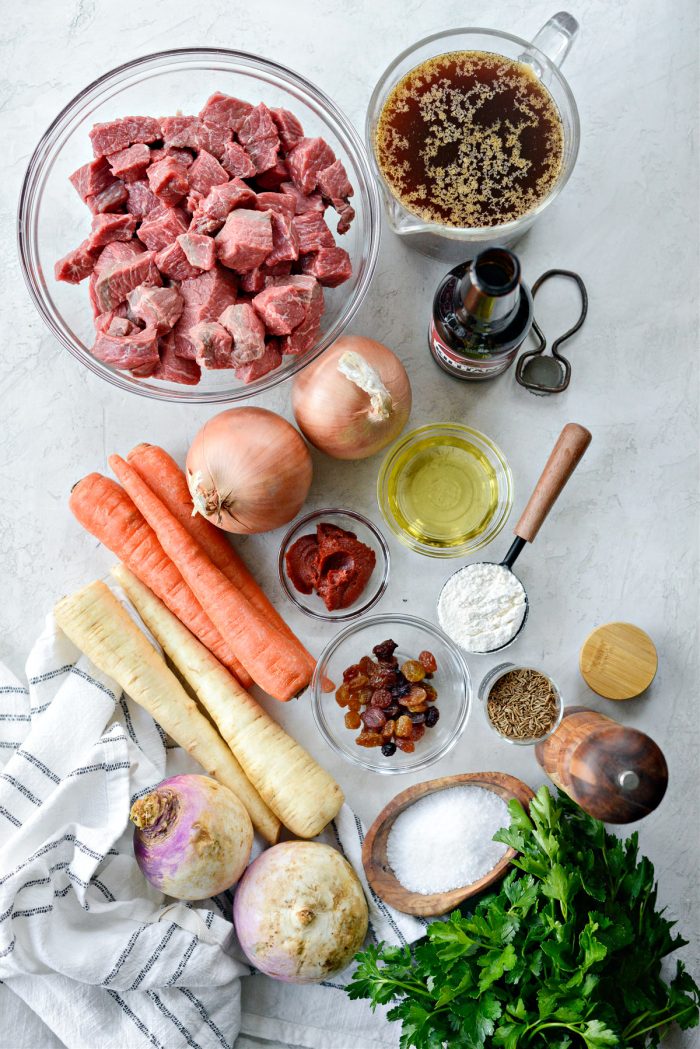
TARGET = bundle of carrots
x,y
192,568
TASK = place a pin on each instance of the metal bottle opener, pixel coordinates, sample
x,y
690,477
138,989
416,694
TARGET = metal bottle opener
x,y
537,372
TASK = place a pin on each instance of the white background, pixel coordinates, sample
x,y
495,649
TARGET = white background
x,y
623,542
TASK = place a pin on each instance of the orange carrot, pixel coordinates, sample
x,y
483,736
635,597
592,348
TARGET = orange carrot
x,y
273,661
166,480
106,511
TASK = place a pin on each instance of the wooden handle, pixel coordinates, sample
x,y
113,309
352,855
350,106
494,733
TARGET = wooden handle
x,y
566,455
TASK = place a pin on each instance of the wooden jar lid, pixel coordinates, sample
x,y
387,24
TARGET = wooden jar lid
x,y
618,661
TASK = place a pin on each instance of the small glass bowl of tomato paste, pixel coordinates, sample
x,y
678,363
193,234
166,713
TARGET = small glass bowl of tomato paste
x,y
346,564
451,681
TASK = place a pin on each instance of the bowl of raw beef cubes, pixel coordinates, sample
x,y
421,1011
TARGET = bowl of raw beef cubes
x,y
198,225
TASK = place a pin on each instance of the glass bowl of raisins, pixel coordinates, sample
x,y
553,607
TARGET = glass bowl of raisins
x,y
391,693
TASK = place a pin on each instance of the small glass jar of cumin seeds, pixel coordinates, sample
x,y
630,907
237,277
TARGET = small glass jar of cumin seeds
x,y
522,704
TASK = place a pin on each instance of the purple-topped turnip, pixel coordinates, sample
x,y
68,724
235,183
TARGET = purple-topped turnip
x,y
300,912
193,837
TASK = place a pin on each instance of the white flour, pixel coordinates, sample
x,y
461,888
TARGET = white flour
x,y
482,606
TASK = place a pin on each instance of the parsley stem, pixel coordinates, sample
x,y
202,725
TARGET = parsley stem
x,y
410,988
629,1033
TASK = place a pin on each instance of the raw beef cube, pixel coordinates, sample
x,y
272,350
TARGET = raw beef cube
x,y
330,266
192,133
253,281
212,345
200,250
288,127
206,172
120,134
246,240
302,203
306,160
284,239
225,110
115,322
281,308
130,164
138,349
246,330
206,297
160,308
258,133
280,202
92,178
333,182
110,199
312,232
77,264
162,227
168,180
116,281
212,211
271,359
141,199
172,368
107,228
280,269
305,335
237,162
273,177
118,251
346,215
183,156
173,263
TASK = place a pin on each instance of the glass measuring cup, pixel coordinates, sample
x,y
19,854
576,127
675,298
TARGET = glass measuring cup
x,y
563,460
544,55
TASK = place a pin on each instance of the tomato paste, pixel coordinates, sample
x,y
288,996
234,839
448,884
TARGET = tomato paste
x,y
333,562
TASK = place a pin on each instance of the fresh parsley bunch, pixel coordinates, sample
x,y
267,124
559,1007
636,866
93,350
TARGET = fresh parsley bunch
x,y
566,954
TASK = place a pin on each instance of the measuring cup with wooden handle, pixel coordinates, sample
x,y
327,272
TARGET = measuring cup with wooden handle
x,y
565,457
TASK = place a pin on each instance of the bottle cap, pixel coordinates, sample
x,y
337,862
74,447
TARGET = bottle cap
x,y
618,661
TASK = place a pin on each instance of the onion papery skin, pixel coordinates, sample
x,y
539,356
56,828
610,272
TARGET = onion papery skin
x,y
300,912
248,471
194,837
336,416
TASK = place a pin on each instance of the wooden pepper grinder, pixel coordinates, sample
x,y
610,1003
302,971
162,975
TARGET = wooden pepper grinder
x,y
615,773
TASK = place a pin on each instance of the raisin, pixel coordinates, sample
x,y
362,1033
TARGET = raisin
x,y
417,717
391,664
427,661
388,748
393,710
381,698
352,719
367,665
430,693
417,733
383,677
361,696
342,696
412,670
407,745
415,696
432,715
354,704
359,681
389,729
373,718
369,739
401,688
404,726
351,672
385,649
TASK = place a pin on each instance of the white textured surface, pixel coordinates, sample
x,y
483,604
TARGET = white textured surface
x,y
623,542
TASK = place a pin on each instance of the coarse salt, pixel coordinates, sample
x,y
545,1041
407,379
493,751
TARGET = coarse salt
x,y
443,841
482,606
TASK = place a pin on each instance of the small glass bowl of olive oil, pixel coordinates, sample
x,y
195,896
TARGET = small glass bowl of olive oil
x,y
445,490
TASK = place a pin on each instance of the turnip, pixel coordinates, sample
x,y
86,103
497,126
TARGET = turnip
x,y
193,837
300,912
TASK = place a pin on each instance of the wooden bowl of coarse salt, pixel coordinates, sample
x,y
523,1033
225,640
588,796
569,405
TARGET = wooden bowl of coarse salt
x,y
431,847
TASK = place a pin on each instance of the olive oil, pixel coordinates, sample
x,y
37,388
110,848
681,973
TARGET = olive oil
x,y
443,491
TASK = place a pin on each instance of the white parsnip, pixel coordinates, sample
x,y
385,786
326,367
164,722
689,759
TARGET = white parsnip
x,y
95,621
297,789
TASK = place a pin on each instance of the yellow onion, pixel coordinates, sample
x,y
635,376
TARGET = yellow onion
x,y
248,470
354,400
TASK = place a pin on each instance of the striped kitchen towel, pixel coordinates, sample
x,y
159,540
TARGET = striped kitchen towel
x,y
86,944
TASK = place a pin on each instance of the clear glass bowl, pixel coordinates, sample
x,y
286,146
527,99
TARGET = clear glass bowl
x,y
453,496
367,533
52,219
459,243
494,675
451,680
